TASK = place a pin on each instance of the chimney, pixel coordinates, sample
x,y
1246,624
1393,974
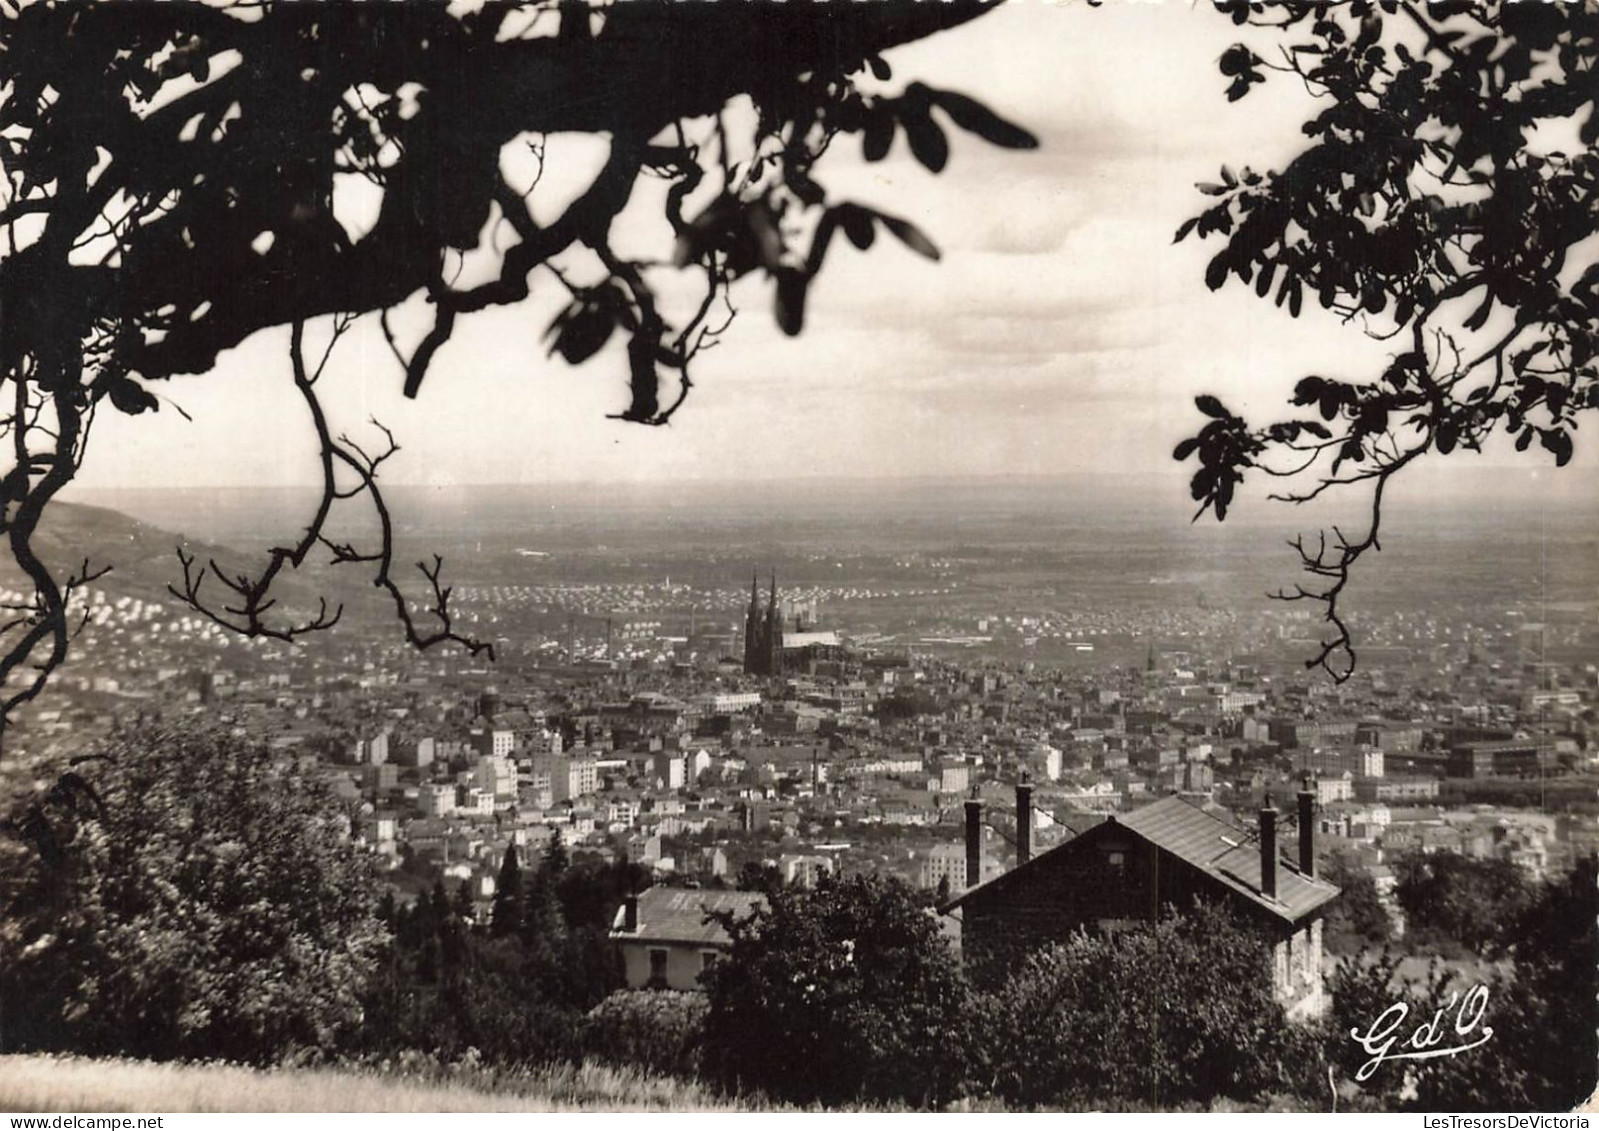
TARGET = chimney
x,y
1024,823
630,913
1307,833
1268,853
974,843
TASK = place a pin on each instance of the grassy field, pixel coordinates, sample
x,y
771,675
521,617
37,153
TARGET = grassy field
x,y
55,1085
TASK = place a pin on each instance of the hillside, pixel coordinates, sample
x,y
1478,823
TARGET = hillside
x,y
143,557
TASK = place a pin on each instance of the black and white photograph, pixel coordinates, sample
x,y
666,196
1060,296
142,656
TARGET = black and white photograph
x,y
799,556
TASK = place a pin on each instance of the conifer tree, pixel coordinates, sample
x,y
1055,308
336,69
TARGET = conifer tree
x,y
506,918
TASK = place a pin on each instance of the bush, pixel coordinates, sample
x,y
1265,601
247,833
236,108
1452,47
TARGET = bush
x,y
658,1030
840,995
1543,1052
193,896
1466,899
1165,1014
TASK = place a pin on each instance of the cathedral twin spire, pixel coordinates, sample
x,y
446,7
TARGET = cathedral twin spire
x,y
763,632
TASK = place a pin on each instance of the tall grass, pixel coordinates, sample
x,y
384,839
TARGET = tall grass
x,y
57,1084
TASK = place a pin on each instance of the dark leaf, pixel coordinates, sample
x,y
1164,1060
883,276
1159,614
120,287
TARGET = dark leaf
x,y
878,136
1185,449
1373,417
973,117
1309,390
688,247
928,143
1235,60
809,192
1216,272
1268,272
857,224
582,331
791,288
130,397
1559,443
1210,406
909,235
880,69
820,241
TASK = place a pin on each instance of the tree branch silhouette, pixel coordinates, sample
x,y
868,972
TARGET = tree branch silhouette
x,y
170,177
1424,207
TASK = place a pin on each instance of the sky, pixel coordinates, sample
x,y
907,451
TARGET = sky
x,y
1061,332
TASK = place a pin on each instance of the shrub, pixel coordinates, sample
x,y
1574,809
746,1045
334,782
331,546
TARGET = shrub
x,y
193,896
839,995
657,1030
1168,1013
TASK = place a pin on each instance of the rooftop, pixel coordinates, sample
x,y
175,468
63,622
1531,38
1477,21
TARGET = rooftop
x,y
682,915
1225,851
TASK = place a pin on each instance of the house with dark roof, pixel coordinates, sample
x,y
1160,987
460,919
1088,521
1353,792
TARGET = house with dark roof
x,y
667,937
1130,867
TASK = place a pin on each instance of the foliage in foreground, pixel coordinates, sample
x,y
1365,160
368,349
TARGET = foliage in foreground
x,y
1445,201
1539,1001
1175,1012
204,899
210,904
839,995
656,1030
515,991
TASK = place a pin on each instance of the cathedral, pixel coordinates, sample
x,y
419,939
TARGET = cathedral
x,y
763,633
768,650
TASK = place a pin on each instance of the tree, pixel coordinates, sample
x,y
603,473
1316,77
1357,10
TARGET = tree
x,y
1358,919
507,915
1445,202
1537,998
556,859
176,180
759,875
841,994
204,899
1468,900
1178,1011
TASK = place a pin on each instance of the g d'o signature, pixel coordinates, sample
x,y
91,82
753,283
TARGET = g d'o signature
x,y
1383,1034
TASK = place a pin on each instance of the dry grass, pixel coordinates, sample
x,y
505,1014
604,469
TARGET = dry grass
x,y
71,1084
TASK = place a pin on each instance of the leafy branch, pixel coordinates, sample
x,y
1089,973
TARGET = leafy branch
x,y
1424,210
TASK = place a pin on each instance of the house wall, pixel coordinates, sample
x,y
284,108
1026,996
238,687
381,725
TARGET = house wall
x,y
1078,886
684,962
1296,972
